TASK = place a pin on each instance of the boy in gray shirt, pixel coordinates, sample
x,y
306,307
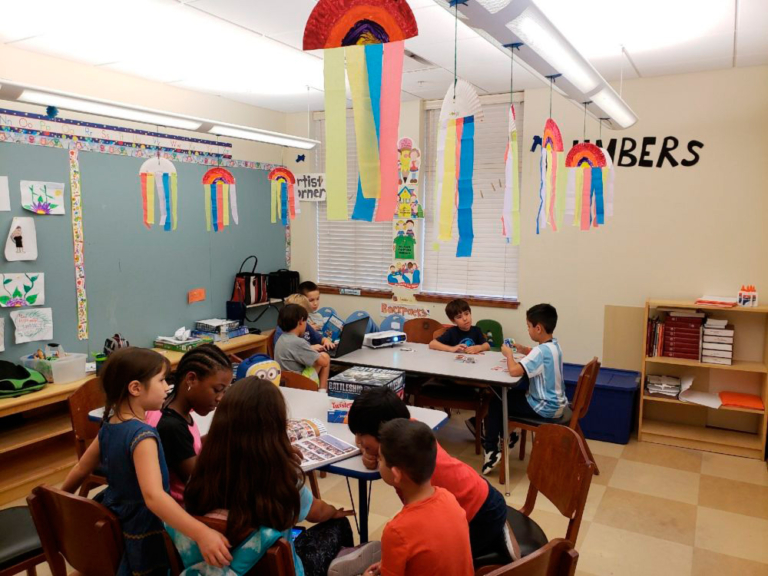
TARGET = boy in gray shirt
x,y
294,353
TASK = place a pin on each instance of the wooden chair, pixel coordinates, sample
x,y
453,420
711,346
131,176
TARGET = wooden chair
x,y
496,331
557,558
439,332
277,561
420,330
76,529
271,343
88,397
571,416
20,547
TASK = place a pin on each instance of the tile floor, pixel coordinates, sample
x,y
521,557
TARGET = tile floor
x,y
654,510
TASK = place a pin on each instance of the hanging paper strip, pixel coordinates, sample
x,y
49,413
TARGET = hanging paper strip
x,y
335,135
365,128
510,220
448,192
159,181
78,238
608,177
220,196
149,200
466,194
283,195
551,150
274,203
364,207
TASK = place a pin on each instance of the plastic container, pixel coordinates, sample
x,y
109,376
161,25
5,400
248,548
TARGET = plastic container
x,y
61,371
612,410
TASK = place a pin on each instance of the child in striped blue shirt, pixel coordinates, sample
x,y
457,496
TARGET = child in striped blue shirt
x,y
541,390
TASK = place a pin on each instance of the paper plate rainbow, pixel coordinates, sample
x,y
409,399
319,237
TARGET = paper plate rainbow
x,y
220,195
365,37
159,174
283,195
585,189
552,188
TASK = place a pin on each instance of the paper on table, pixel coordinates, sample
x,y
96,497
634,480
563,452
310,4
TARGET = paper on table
x,y
695,397
335,135
5,197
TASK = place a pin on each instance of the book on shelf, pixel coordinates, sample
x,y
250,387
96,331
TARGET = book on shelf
x,y
718,301
690,323
681,312
684,348
715,323
706,359
727,331
718,339
674,340
318,448
716,346
718,353
683,355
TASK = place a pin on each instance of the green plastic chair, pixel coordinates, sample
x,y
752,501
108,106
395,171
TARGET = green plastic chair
x,y
492,327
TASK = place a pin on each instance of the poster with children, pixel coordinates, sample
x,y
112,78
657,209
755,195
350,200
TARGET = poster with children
x,y
404,274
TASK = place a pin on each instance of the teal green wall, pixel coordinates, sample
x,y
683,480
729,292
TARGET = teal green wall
x,y
136,279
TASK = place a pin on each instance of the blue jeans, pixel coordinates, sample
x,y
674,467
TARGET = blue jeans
x,y
517,405
486,530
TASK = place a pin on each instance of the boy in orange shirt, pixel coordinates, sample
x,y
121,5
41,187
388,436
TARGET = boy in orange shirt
x,y
429,536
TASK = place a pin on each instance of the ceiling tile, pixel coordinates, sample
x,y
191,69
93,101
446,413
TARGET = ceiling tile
x,y
268,17
752,36
686,57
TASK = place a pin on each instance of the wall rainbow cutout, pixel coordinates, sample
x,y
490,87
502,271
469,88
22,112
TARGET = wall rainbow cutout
x,y
159,174
220,194
284,202
586,191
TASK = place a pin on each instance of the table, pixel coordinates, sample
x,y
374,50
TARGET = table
x,y
307,404
420,359
253,343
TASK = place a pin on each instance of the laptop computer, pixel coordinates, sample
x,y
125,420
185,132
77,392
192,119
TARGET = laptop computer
x,y
351,339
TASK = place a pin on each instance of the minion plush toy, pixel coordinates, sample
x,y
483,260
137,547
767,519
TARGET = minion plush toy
x,y
261,366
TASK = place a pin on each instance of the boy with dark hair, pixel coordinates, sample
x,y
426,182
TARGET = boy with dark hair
x,y
462,336
541,391
294,353
484,506
312,292
429,536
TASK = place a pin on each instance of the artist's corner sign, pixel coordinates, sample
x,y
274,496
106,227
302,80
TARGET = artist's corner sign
x,y
310,187
650,152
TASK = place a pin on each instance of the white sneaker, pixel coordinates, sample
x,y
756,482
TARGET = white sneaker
x,y
355,561
491,460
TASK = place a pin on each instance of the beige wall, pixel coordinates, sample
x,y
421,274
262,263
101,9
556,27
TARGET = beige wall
x,y
677,232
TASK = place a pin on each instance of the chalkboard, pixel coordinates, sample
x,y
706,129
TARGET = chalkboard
x,y
136,279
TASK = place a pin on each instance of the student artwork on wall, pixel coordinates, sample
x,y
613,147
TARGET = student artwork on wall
x,y
365,38
21,243
33,324
42,198
158,178
78,239
454,194
284,198
2,334
553,178
22,290
5,196
220,195
510,216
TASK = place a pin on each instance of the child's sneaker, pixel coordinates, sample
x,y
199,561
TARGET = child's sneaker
x,y
491,460
355,561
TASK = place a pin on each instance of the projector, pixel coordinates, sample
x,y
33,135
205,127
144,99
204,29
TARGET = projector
x,y
384,339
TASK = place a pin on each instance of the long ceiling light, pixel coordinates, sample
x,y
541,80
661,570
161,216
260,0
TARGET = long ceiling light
x,y
612,104
263,136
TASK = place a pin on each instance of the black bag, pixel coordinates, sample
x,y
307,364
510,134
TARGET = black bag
x,y
283,283
250,287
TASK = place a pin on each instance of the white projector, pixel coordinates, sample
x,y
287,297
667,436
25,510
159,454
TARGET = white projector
x,y
384,339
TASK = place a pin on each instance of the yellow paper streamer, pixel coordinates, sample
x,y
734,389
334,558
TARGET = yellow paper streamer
x,y
225,203
548,186
513,149
579,186
335,136
274,200
447,200
174,201
365,127
150,198
562,185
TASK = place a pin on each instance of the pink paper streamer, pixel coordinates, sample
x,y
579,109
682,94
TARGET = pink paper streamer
x,y
586,189
553,194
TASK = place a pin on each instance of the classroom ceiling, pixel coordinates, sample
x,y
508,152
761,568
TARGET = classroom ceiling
x,y
250,50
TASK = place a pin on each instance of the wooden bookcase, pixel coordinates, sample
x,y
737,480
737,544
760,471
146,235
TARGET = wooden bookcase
x,y
734,431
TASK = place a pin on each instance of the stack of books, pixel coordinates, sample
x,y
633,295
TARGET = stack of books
x,y
682,334
218,330
717,345
668,386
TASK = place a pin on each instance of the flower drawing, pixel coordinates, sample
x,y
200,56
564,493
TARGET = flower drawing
x,y
41,207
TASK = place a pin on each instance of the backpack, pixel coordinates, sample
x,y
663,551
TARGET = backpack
x,y
262,366
115,343
16,380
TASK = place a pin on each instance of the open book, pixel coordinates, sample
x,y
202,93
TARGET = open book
x,y
318,448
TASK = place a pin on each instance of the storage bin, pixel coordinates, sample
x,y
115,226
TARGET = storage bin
x,y
612,410
61,371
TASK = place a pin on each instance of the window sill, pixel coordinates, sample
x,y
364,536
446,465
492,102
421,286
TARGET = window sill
x,y
422,297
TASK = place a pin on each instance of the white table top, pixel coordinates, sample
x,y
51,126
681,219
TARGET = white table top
x,y
412,357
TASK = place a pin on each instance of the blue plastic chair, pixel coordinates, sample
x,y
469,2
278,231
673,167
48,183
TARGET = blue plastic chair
x,y
393,322
370,328
326,311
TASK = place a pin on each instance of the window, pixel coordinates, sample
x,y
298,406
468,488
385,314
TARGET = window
x,y
492,270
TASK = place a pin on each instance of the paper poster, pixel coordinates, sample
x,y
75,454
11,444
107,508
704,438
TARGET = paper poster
x,y
42,197
78,237
310,187
32,325
21,243
2,334
408,310
5,196
21,290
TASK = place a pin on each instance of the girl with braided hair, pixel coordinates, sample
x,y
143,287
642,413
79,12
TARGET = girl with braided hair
x,y
200,380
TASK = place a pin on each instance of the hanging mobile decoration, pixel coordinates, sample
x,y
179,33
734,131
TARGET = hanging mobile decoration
x,y
510,218
220,194
159,174
284,201
368,36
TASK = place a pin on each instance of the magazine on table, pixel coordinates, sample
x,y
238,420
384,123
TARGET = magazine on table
x,y
318,448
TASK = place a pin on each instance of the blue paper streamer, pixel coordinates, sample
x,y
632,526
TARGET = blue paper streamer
x,y
214,208
284,202
541,190
167,194
597,190
466,194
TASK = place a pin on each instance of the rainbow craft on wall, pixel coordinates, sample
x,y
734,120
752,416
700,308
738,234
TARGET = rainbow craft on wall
x,y
585,191
510,216
284,200
158,178
365,37
220,195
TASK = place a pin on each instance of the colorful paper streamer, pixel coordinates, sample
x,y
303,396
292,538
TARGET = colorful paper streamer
x,y
78,239
220,199
159,181
510,219
335,135
284,203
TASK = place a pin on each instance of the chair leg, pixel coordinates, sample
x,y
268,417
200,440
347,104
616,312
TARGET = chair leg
x,y
86,488
504,464
589,450
523,436
32,571
478,426
323,473
315,487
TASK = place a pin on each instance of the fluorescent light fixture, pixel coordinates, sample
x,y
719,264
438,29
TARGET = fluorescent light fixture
x,y
264,136
537,32
610,103
103,109
494,6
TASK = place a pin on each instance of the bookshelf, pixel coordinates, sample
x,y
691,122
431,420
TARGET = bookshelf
x,y
726,430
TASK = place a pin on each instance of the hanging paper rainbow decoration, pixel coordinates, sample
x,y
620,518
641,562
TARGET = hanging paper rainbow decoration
x,y
585,193
608,177
284,199
553,178
369,35
510,218
159,174
220,194
455,166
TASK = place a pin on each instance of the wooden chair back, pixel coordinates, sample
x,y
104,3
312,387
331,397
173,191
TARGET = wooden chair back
x,y
86,398
497,332
557,558
420,330
585,386
82,532
439,332
271,343
561,469
298,381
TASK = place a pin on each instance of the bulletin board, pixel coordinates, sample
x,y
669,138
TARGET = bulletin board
x,y
137,279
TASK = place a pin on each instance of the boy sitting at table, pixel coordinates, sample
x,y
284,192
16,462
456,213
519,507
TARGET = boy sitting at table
x,y
294,353
484,506
541,390
462,336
